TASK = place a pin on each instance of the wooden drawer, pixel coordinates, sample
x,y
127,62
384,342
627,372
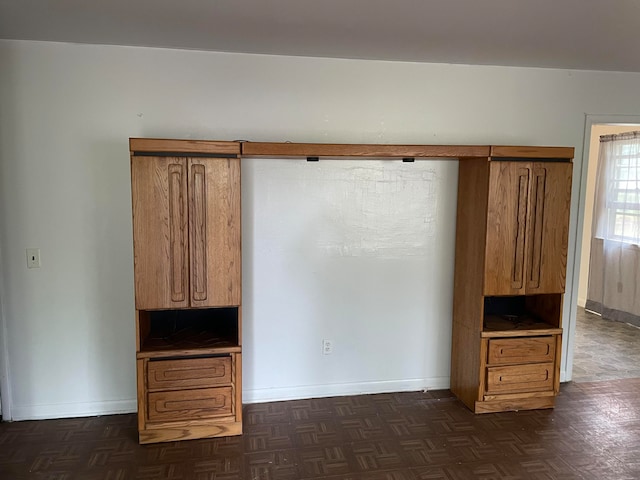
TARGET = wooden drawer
x,y
190,404
537,377
521,350
188,373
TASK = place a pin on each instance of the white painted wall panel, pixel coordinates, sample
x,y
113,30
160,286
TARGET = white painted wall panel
x,y
351,251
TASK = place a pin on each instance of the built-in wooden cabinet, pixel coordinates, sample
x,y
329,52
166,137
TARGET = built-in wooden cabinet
x,y
188,289
511,259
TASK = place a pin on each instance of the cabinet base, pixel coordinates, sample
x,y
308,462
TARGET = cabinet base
x,y
189,432
514,404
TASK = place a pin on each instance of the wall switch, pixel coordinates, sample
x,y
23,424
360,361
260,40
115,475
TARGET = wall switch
x,y
33,258
327,347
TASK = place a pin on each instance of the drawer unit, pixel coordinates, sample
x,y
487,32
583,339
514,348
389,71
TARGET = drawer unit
x,y
189,404
536,377
188,373
508,351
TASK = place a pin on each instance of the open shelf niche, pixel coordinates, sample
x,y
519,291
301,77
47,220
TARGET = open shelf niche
x,y
201,331
522,315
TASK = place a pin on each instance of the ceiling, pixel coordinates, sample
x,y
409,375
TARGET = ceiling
x,y
567,34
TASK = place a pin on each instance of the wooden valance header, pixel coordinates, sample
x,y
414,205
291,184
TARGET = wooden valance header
x,y
345,150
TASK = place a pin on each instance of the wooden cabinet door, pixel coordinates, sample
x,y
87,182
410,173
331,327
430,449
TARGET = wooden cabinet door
x,y
160,234
214,231
548,227
506,239
527,227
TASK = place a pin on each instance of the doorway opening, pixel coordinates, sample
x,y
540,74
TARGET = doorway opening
x,y
603,349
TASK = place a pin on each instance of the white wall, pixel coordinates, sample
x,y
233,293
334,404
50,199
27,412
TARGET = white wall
x,y
313,268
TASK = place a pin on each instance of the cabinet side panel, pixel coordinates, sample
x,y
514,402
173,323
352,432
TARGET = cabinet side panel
x,y
143,327
547,308
141,382
466,364
159,197
468,280
470,239
218,239
548,260
237,387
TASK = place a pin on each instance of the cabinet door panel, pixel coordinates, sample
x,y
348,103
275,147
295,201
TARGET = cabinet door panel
x,y
506,242
214,225
548,227
160,236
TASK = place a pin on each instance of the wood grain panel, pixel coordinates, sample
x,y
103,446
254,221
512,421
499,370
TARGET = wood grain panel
x,y
520,378
143,327
471,224
172,433
535,226
141,381
215,227
183,146
185,352
547,257
160,236
506,242
468,304
556,382
536,330
189,404
547,308
237,386
198,233
273,149
505,403
504,151
188,373
521,350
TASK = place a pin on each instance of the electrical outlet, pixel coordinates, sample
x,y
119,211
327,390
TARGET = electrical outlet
x,y
33,258
327,347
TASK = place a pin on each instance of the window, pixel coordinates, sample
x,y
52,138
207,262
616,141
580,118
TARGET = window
x,y
623,195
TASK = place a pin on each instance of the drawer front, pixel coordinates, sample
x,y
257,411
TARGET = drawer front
x,y
521,350
190,404
537,377
188,373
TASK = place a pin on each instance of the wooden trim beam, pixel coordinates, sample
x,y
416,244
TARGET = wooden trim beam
x,y
301,150
498,151
294,150
183,146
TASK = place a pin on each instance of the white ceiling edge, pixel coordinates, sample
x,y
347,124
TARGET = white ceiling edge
x,y
571,34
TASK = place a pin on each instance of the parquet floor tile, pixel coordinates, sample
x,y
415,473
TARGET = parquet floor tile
x,y
592,434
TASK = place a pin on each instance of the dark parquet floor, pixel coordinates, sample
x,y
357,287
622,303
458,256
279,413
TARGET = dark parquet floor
x,y
593,433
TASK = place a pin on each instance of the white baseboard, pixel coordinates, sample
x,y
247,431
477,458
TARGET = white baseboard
x,y
261,395
582,302
70,410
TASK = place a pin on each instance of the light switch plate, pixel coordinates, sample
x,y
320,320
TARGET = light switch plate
x,y
33,258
